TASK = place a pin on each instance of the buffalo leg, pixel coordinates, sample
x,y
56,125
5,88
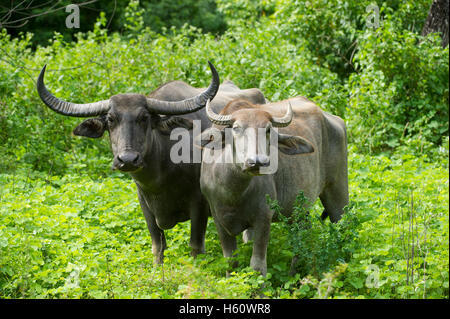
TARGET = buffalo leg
x,y
199,221
260,242
157,234
334,198
158,240
228,243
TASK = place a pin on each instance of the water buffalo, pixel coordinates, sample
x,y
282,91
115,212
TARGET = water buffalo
x,y
312,158
139,130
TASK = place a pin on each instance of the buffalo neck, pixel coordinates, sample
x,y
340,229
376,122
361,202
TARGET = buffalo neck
x,y
150,177
232,181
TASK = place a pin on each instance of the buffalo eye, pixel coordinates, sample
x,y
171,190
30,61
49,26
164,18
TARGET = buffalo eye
x,y
237,129
111,120
143,118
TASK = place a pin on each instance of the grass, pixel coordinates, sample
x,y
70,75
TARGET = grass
x,y
77,237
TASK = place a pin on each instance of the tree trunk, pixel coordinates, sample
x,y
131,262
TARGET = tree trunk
x,y
437,20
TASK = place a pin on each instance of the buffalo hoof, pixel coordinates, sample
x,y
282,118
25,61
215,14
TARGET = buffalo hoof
x,y
259,265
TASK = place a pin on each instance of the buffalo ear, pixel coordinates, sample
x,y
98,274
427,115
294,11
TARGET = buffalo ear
x,y
166,124
93,128
292,145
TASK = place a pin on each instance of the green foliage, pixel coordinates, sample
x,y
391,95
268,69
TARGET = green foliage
x,y
325,30
48,18
315,244
158,15
392,243
202,14
134,20
401,90
385,104
247,12
331,29
69,227
78,237
397,81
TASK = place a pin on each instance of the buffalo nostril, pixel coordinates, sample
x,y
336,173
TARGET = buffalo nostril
x,y
256,161
263,160
129,158
251,162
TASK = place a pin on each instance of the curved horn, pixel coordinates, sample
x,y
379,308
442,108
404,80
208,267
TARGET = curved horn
x,y
285,120
217,118
68,108
189,105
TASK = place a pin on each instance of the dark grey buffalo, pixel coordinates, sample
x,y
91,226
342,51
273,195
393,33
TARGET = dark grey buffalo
x,y
312,157
139,129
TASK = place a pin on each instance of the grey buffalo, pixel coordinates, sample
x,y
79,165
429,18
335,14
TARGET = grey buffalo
x,y
139,129
312,157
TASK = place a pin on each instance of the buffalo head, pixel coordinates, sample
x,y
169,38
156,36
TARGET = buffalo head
x,y
129,118
251,128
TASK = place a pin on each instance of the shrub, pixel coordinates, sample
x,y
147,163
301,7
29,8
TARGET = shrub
x,y
400,91
156,14
331,29
317,245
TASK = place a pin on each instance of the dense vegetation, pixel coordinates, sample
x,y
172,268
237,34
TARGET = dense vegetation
x,y
50,16
69,227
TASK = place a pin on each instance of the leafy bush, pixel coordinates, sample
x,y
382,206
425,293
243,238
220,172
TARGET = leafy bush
x,y
401,90
331,29
392,243
156,14
316,245
245,12
202,14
